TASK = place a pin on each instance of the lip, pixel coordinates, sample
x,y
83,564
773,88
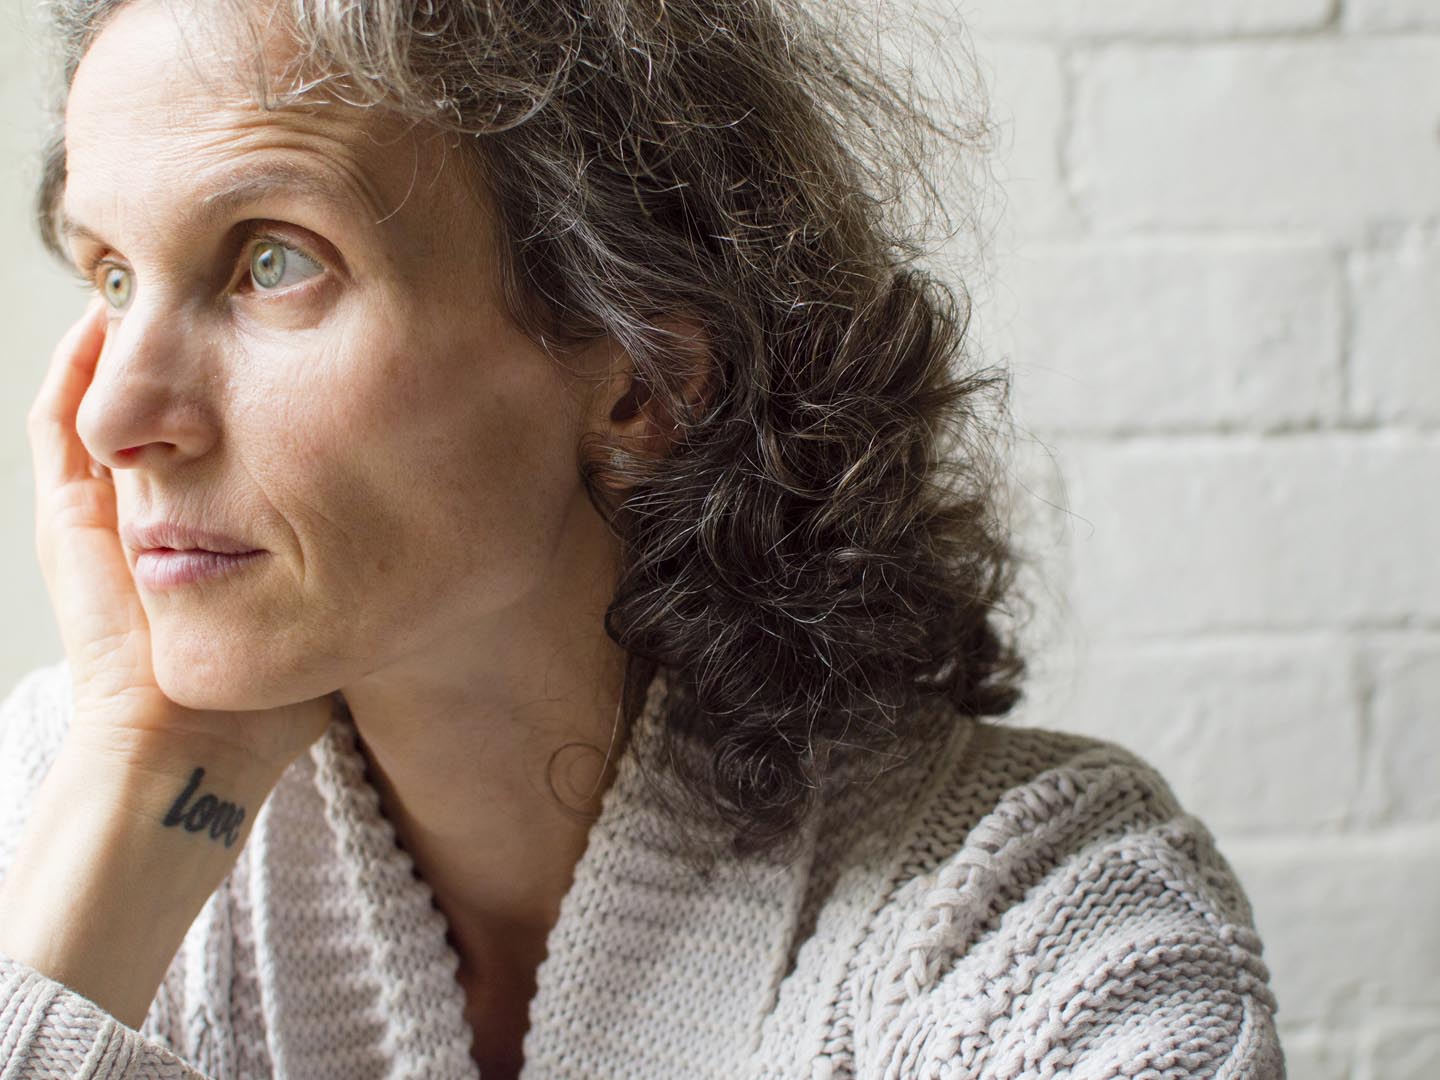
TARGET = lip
x,y
171,536
165,568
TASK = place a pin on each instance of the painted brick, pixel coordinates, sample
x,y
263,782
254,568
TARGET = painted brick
x,y
1314,1053
1406,1051
1390,15
933,62
1402,781
1172,542
1348,922
1027,93
1078,18
1226,722
1040,611
1037,485
1214,534
1395,363
1328,134
1194,335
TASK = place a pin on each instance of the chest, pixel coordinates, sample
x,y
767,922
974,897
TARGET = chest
x,y
498,1015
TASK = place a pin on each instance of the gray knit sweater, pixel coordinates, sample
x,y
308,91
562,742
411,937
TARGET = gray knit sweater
x,y
1015,903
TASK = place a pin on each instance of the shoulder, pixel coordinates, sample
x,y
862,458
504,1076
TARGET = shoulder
x,y
1007,805
1051,905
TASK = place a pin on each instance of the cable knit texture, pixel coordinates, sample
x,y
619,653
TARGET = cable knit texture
x,y
1014,902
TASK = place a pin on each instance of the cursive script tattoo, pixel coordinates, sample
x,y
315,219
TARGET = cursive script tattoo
x,y
223,818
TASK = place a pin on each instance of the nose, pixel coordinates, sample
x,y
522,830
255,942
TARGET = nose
x,y
147,404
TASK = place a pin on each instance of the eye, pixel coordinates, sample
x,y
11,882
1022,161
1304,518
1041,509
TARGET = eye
x,y
277,265
116,286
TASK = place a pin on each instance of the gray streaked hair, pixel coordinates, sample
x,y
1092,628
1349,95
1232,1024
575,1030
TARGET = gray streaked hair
x,y
824,548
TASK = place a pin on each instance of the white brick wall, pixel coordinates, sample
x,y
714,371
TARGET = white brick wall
x,y
1396,324
1217,283
1325,134
1391,15
1200,333
1081,19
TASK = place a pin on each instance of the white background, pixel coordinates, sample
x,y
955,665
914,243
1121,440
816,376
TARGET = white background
x,y
1215,273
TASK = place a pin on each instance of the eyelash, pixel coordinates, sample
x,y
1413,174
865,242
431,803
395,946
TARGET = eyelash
x,y
85,270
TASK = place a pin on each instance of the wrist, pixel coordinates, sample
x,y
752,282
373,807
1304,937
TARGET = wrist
x,y
118,857
144,753
180,781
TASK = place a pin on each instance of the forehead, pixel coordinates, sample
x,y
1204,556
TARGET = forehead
x,y
167,104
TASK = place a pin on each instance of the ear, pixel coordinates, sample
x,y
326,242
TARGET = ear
x,y
629,416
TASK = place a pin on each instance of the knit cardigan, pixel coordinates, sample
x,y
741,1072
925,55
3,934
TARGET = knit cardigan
x,y
1012,902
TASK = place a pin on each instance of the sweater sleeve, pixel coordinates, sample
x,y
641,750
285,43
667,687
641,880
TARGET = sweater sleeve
x,y
1087,929
46,1029
1160,1004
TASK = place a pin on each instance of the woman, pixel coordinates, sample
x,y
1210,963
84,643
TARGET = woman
x,y
519,612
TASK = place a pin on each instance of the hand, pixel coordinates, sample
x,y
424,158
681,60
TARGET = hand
x,y
144,810
106,635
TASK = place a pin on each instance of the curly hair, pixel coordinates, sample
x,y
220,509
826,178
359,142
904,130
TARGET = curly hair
x,y
824,546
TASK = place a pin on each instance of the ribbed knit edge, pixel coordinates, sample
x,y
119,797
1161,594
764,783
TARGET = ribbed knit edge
x,y
1256,1054
425,1037
59,1025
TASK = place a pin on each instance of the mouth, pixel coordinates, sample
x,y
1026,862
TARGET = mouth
x,y
168,568
167,534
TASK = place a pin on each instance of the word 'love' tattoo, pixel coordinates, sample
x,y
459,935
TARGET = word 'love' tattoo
x,y
223,818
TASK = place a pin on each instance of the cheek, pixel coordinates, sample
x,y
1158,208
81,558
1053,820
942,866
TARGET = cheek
x,y
435,484
403,496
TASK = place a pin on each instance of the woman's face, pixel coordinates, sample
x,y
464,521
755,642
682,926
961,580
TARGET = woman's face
x,y
306,351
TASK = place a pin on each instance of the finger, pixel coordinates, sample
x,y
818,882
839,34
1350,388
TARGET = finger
x,y
60,457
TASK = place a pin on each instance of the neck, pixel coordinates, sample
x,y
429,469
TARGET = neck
x,y
492,775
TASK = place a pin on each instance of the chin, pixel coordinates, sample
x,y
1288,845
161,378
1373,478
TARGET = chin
x,y
186,685
200,673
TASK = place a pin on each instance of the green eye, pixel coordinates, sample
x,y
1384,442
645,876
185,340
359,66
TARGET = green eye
x,y
116,286
271,262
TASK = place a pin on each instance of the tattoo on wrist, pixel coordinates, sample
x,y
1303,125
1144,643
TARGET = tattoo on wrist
x,y
223,818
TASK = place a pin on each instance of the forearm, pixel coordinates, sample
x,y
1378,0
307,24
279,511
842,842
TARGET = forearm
x,y
117,860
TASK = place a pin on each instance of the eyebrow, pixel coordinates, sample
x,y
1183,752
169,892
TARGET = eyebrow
x,y
254,185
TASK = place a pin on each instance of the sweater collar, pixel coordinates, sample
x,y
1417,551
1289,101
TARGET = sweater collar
x,y
643,951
